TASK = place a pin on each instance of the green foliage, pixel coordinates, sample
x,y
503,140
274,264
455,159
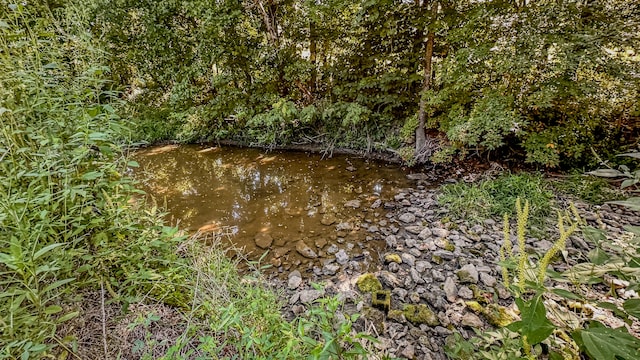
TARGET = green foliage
x,y
67,216
542,321
588,188
497,197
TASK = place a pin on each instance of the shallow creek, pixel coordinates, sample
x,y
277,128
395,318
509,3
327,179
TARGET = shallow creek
x,y
300,208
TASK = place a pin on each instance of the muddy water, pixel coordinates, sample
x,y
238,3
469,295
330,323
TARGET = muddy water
x,y
273,201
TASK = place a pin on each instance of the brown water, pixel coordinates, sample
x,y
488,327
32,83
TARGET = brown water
x,y
277,198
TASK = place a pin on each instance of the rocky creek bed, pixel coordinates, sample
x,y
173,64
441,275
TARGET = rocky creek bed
x,y
432,267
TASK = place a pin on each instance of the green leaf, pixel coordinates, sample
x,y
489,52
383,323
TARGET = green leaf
x,y
133,164
92,175
602,343
534,324
632,307
68,316
567,294
632,203
633,155
633,229
53,309
612,173
57,284
45,250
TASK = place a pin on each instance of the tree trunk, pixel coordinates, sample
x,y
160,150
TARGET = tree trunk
x,y
312,56
421,138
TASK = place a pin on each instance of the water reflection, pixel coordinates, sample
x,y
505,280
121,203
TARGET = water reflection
x,y
285,195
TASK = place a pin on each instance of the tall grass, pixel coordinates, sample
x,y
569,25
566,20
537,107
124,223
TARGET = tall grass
x,y
65,217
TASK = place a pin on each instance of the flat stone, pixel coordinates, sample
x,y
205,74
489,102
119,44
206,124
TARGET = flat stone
x,y
487,279
422,265
414,229
263,240
388,279
352,204
342,257
391,241
471,320
376,204
425,234
407,218
465,293
304,250
344,226
439,232
468,274
328,219
307,296
408,259
295,279
330,269
450,289
408,352
332,249
415,276
411,242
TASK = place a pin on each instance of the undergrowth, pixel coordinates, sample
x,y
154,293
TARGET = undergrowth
x,y
72,223
496,197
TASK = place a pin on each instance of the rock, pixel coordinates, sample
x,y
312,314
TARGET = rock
x,y
332,249
422,265
344,226
408,352
488,280
368,283
308,296
352,204
468,274
489,222
413,229
415,276
295,279
304,250
471,320
450,289
465,293
263,240
420,314
393,258
320,242
342,257
351,168
376,204
330,269
411,243
441,233
407,218
408,259
425,234
391,241
389,279
328,219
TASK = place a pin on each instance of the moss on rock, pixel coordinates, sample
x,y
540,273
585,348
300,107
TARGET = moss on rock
x,y
368,283
420,314
389,258
495,314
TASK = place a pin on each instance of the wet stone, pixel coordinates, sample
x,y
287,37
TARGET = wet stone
x,y
304,250
342,257
263,240
352,204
